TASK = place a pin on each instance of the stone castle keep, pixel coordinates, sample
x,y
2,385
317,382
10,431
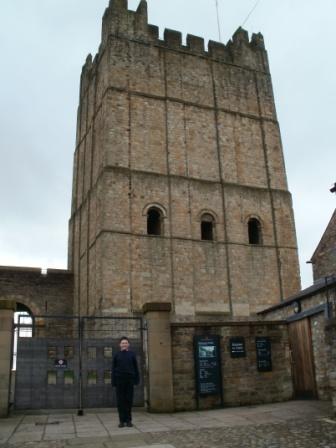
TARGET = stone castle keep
x,y
179,185
181,228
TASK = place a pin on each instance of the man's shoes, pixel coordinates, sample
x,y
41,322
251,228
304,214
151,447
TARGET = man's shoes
x,y
128,424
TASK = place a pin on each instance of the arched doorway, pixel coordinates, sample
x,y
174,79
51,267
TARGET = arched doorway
x,y
23,324
22,328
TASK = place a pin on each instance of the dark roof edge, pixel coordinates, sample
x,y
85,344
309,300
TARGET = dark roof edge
x,y
319,286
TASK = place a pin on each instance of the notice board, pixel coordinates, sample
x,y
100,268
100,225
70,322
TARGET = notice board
x,y
264,354
208,365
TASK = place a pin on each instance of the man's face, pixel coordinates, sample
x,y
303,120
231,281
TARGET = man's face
x,y
124,344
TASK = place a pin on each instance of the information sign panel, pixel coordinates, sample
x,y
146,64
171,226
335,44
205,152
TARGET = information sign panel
x,y
207,360
61,363
237,347
264,354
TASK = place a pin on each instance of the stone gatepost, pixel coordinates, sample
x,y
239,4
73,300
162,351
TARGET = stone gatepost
x,y
7,308
160,366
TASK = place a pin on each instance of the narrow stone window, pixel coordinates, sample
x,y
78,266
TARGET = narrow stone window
x,y
207,227
154,222
254,231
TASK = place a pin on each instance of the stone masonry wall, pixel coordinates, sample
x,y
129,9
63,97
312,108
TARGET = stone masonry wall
x,y
320,354
319,338
242,383
190,131
43,294
286,310
324,258
331,353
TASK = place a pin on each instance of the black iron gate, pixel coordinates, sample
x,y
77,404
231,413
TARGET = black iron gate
x,y
66,363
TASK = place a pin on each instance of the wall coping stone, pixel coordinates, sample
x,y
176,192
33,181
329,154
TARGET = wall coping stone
x,y
30,270
229,324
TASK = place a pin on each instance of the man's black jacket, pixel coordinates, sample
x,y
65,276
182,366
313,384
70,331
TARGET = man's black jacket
x,y
125,365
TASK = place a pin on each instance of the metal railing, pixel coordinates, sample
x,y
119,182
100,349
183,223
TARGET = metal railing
x,y
80,329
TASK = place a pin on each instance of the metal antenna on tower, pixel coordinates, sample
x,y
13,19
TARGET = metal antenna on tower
x,y
218,23
251,12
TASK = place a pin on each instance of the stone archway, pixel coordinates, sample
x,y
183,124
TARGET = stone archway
x,y
21,307
7,309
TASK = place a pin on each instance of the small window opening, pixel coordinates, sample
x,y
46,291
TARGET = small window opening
x,y
207,228
254,231
154,222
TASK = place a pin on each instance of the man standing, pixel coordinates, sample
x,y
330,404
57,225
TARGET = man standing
x,y
125,374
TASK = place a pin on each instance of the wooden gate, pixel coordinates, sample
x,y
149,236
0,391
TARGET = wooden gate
x,y
302,359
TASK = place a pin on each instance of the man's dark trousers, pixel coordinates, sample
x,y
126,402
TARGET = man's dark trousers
x,y
124,391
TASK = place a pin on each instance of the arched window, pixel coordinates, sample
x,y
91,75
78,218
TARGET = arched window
x,y
154,222
207,227
254,231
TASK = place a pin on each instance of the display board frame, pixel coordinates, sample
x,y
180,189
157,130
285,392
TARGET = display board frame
x,y
208,367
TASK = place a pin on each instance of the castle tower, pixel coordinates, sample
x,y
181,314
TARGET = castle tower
x,y
179,186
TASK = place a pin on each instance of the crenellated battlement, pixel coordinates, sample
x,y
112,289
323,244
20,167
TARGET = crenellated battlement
x,y
121,23
119,20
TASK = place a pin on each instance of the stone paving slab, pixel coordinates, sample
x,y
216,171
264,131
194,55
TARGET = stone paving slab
x,y
298,434
154,446
293,424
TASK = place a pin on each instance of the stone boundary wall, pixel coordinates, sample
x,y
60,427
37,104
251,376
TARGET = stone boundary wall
x,y
320,354
43,293
331,353
243,384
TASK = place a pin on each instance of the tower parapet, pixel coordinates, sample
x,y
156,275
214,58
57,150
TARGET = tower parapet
x,y
119,21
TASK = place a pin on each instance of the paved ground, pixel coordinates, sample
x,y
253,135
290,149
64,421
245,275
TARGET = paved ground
x,y
295,424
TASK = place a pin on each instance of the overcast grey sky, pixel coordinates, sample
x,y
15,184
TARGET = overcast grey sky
x,y
43,46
